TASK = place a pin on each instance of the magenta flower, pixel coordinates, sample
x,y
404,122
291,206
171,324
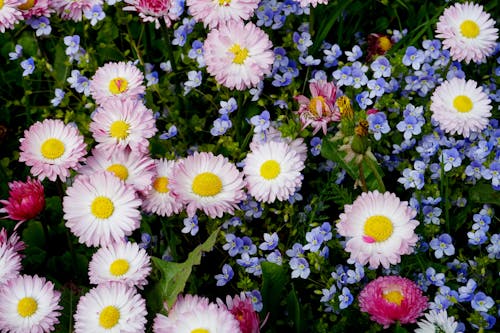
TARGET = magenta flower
x,y
26,200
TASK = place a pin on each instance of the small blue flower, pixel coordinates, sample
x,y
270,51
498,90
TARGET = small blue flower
x,y
95,14
450,158
314,238
221,125
275,257
363,99
228,106
190,225
41,25
482,302
73,44
248,246
79,82
256,299
442,246
172,131
494,248
431,214
345,299
18,52
437,279
381,67
234,245
296,251
467,292
226,276
59,95
413,57
378,125
302,41
343,76
194,80
180,35
300,268
271,241
477,237
28,65
261,122
331,56
354,54
316,146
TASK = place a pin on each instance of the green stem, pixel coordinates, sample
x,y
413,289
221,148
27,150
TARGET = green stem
x,y
362,177
373,167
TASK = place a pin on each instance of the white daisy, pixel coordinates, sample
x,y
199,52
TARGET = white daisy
x,y
29,304
101,209
10,263
460,107
437,322
122,262
111,307
272,171
209,183
159,198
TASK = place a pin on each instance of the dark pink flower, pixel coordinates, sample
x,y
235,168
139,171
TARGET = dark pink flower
x,y
26,200
242,309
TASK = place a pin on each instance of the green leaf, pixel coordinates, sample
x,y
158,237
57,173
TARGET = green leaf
x,y
295,312
274,279
330,150
33,235
485,194
173,276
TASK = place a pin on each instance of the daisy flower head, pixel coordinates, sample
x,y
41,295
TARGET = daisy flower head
x,y
10,263
238,55
437,321
388,299
321,109
273,171
29,304
117,80
272,134
101,209
460,107
36,8
52,149
73,10
10,14
213,13
379,228
134,168
242,309
122,262
154,11
123,124
468,31
159,199
183,304
209,183
26,200
111,307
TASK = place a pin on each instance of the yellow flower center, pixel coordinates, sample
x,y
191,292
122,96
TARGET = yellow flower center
x,y
27,306
24,6
462,103
52,148
119,170
118,85
1,4
313,105
102,207
345,108
206,184
200,330
119,267
119,129
469,29
394,297
224,2
270,169
384,43
240,54
378,228
161,184
109,317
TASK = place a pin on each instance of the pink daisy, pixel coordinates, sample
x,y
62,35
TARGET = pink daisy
x,y
213,13
134,168
52,149
101,209
154,11
379,229
26,200
122,262
209,183
10,263
242,309
321,109
461,107
73,10
272,134
468,31
10,14
111,307
388,299
159,199
29,304
272,171
36,8
123,124
117,80
238,55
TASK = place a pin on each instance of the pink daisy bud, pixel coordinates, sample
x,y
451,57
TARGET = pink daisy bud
x,y
26,200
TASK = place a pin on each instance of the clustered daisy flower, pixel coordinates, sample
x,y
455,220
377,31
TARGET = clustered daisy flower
x,y
154,11
10,14
214,13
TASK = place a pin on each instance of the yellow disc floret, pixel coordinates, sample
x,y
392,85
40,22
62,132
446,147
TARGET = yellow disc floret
x,y
161,185
462,104
52,148
109,317
102,207
394,297
119,129
378,227
27,306
118,85
270,169
207,184
469,29
119,267
240,54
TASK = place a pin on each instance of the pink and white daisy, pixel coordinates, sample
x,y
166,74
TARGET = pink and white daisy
x,y
388,299
74,10
12,241
159,199
461,107
117,80
437,321
200,318
214,13
52,149
36,8
122,262
26,200
242,309
10,263
468,31
101,209
272,171
183,304
29,304
379,228
154,11
209,183
134,168
10,14
111,307
272,134
123,124
321,109
238,55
